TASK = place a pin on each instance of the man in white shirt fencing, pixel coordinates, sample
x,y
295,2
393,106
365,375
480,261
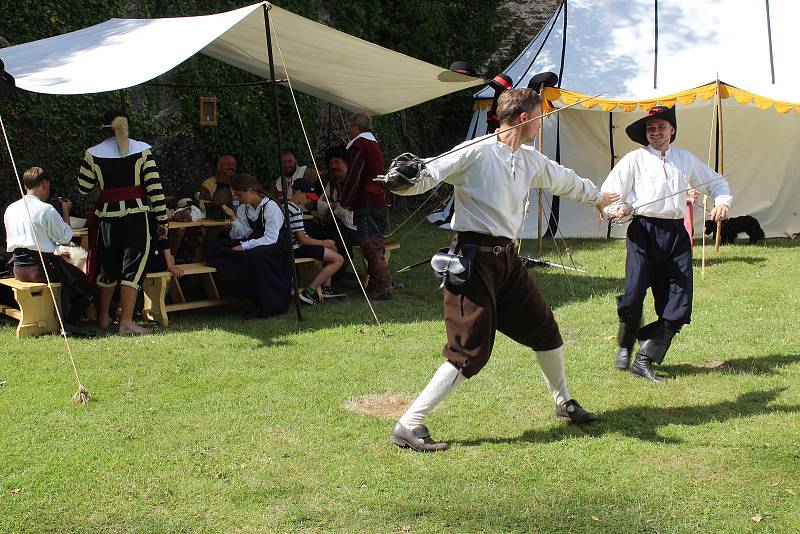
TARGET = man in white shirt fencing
x,y
49,229
654,183
491,179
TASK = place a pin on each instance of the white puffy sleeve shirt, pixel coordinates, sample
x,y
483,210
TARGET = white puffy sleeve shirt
x,y
491,183
655,185
273,221
48,225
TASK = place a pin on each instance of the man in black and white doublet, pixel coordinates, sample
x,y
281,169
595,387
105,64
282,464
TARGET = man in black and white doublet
x,y
654,181
130,194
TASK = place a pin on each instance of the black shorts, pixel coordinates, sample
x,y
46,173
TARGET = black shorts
x,y
316,252
123,249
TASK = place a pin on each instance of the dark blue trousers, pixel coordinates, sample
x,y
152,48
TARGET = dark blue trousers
x,y
659,258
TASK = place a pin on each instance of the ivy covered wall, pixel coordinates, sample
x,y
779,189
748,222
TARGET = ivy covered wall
x,y
54,131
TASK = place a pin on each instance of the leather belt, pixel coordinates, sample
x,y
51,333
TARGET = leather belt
x,y
496,250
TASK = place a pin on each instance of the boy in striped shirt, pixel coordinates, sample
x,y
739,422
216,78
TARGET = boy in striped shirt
x,y
308,247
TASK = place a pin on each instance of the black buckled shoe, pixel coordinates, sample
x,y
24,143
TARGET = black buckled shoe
x,y
575,413
417,438
642,367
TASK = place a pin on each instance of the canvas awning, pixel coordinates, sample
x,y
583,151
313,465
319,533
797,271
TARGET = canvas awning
x,y
323,62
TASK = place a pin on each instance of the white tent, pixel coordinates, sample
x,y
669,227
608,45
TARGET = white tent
x,y
639,53
326,63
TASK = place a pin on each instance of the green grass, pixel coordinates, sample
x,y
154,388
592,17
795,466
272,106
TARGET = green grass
x,y
219,424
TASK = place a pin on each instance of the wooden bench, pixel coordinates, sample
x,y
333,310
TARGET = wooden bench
x,y
306,269
156,286
386,254
36,314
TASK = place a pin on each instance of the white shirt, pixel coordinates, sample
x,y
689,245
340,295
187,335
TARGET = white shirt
x,y
273,221
341,213
648,181
492,182
299,172
48,225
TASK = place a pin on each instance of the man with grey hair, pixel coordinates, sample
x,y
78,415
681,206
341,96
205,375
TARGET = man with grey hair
x,y
369,201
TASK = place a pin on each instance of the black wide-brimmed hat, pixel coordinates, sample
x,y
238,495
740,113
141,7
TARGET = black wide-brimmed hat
x,y
501,82
546,79
462,67
638,130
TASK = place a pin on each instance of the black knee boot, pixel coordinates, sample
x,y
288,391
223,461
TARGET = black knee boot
x,y
626,337
653,349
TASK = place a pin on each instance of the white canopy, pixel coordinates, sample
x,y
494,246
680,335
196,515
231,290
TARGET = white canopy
x,y
640,53
326,63
644,49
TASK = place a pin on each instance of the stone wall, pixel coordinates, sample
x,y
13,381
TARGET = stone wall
x,y
528,17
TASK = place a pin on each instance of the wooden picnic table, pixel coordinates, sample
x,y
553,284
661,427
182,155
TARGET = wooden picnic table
x,y
83,233
207,230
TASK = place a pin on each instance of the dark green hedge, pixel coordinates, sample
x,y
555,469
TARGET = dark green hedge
x,y
54,131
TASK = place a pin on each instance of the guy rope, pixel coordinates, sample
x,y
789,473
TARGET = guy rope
x,y
82,395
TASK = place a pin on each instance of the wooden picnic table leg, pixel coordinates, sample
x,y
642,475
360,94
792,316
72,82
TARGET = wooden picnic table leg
x,y
155,308
175,239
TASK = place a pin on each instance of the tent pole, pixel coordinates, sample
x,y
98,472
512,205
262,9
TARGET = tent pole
x,y
611,150
719,164
276,111
540,191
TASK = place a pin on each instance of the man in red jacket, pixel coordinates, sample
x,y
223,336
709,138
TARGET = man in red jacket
x,y
370,203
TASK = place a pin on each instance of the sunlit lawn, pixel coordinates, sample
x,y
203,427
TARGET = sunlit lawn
x,y
222,424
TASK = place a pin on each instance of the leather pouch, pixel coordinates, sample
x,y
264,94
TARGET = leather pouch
x,y
452,269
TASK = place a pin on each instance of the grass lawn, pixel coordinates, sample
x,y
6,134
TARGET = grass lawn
x,y
219,424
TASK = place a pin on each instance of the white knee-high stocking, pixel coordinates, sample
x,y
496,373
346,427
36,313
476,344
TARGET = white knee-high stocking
x,y
444,381
552,364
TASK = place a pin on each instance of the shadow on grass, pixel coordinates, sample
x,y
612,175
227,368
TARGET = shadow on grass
x,y
643,422
419,301
750,260
757,365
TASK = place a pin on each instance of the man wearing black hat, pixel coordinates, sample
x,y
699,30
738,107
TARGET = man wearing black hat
x,y
653,183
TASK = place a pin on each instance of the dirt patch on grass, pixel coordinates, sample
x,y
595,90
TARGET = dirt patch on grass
x,y
718,365
386,406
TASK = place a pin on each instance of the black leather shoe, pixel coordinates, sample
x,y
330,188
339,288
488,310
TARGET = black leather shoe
x,y
642,367
575,413
417,438
623,360
73,330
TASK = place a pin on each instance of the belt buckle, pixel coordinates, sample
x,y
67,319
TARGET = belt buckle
x,y
497,250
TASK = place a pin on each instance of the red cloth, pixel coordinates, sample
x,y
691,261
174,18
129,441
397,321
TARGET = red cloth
x,y
364,163
118,194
